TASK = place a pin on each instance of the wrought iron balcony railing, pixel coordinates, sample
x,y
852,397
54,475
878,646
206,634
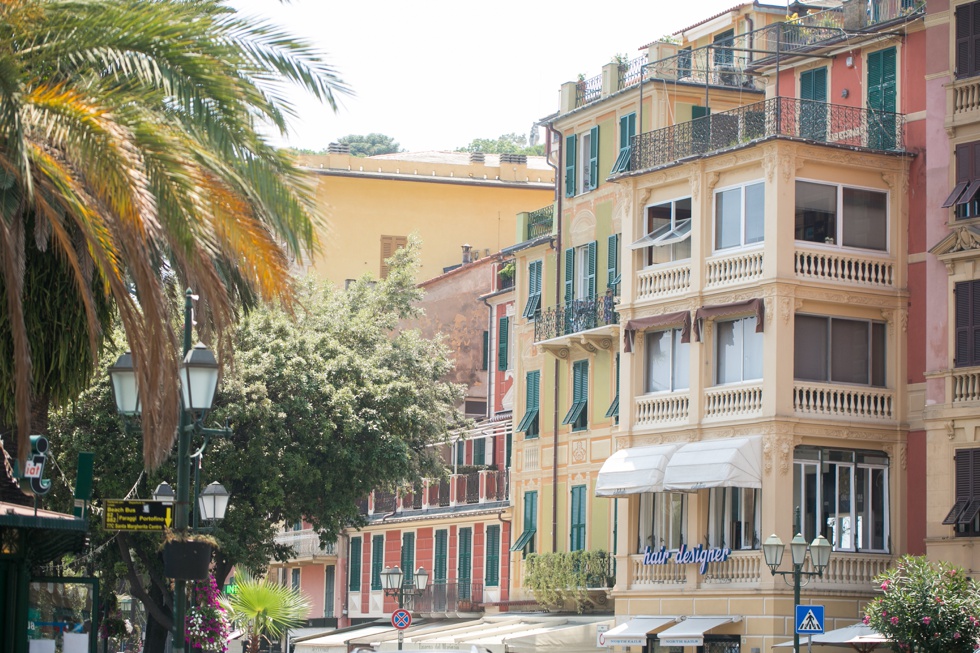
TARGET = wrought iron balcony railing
x,y
832,124
459,596
575,316
540,222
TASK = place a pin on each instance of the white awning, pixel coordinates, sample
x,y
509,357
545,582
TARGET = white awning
x,y
634,470
848,635
732,462
668,234
337,642
690,632
572,637
634,632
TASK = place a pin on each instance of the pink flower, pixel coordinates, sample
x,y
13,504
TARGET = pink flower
x,y
884,586
956,635
884,613
926,620
894,621
866,620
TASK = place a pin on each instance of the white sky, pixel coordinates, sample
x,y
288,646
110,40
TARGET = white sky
x,y
435,74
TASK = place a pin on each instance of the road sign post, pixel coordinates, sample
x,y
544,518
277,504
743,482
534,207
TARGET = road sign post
x,y
137,515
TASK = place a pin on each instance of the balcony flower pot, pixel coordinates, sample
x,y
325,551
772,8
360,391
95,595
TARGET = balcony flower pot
x,y
187,558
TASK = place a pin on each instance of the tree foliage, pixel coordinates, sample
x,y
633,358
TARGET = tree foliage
x,y
132,154
370,145
927,607
504,144
324,405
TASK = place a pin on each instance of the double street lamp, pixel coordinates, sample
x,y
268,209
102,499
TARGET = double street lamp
x,y
773,549
395,584
198,383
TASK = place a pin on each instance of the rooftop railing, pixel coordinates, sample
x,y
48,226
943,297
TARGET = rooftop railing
x,y
820,122
540,222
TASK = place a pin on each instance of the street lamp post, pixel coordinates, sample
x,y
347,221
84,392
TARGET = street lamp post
x,y
397,585
198,383
773,549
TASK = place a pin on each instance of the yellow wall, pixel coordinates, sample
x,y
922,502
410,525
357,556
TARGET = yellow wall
x,y
443,210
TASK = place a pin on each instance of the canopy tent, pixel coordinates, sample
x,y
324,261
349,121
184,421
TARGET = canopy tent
x,y
730,462
336,642
690,631
634,632
634,471
857,636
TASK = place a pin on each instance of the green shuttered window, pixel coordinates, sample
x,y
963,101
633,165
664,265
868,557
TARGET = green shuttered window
x,y
612,263
882,87
503,338
526,541
593,181
570,156
578,414
354,574
377,560
533,290
408,558
492,575
529,424
627,129
441,566
577,531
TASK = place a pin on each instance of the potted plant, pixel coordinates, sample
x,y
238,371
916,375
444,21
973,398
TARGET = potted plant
x,y
187,556
506,274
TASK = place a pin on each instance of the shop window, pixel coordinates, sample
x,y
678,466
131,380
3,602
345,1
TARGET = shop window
x,y
852,217
668,232
842,494
965,514
663,520
738,351
739,216
838,350
734,518
668,361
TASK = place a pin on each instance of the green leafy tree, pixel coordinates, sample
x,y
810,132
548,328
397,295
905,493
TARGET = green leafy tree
x,y
504,144
324,405
370,145
927,607
266,610
132,156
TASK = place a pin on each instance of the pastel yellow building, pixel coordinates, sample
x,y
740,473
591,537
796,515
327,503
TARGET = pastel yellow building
x,y
371,205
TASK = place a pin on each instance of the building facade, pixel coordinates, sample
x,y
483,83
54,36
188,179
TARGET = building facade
x,y
715,331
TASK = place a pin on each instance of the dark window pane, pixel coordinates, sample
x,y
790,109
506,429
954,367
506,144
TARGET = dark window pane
x,y
878,354
865,223
811,348
755,206
816,212
728,218
849,351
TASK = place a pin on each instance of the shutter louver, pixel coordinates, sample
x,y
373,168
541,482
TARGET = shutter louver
x,y
612,261
592,267
569,274
593,158
963,295
408,559
503,337
493,556
975,322
964,37
441,555
974,39
377,560
570,143
354,574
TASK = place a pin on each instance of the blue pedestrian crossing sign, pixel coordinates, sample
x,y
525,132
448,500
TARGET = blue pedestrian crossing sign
x,y
809,619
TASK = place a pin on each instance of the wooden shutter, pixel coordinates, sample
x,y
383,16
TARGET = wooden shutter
x,y
612,261
479,451
492,563
627,129
881,80
408,558
388,246
354,573
577,540
570,153
593,158
464,568
967,309
699,112
441,556
377,560
590,278
964,34
533,290
486,350
503,336
569,275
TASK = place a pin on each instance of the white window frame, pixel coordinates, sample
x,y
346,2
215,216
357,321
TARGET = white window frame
x,y
665,236
674,345
583,182
740,339
720,509
842,539
742,216
582,272
655,527
839,227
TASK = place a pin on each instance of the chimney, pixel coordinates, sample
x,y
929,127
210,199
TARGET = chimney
x,y
467,255
477,157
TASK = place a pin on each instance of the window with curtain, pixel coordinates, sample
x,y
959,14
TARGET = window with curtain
x,y
839,350
842,494
734,518
663,520
668,361
831,214
739,351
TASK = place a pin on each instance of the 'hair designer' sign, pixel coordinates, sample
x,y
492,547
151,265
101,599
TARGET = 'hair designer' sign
x,y
685,556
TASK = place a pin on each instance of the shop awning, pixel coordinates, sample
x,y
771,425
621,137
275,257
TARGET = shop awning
x,y
732,462
690,632
849,636
634,470
634,632
570,637
336,642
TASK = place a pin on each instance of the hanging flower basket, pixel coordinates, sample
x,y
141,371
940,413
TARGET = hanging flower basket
x,y
186,560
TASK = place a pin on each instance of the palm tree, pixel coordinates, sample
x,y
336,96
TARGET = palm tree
x,y
132,151
265,610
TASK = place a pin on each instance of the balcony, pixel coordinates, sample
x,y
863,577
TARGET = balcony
x,y
662,409
305,544
781,117
442,598
836,266
472,488
575,317
540,222
655,283
825,400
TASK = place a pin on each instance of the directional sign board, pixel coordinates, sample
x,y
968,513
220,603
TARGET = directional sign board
x,y
401,619
809,619
126,515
